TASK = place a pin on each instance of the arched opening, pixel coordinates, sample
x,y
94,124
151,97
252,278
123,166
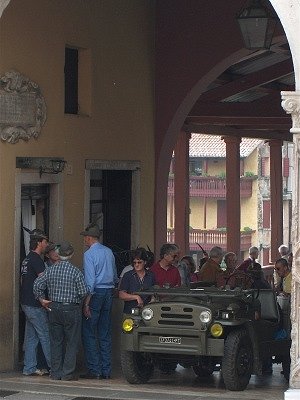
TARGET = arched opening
x,y
179,110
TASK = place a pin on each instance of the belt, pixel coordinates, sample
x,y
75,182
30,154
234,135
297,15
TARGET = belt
x,y
99,290
65,303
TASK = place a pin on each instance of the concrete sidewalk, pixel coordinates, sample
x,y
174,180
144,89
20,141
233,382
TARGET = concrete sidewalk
x,y
182,385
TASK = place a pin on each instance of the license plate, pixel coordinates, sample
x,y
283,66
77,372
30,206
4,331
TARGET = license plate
x,y
170,339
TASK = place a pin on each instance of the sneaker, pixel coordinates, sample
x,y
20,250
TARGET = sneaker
x,y
37,372
44,371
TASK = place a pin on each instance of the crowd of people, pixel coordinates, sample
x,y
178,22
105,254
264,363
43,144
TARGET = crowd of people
x,y
63,305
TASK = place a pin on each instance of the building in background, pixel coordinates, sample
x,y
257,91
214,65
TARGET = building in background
x,y
207,188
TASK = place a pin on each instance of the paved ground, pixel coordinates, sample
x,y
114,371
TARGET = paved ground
x,y
182,385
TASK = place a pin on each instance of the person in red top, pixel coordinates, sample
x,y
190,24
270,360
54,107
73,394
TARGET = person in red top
x,y
253,255
165,272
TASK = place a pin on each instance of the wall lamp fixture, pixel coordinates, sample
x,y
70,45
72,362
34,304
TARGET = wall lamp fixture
x,y
257,24
45,165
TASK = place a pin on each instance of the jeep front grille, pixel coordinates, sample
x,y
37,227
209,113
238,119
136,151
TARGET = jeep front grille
x,y
176,315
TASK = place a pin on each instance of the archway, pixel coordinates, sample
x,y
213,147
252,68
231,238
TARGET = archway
x,y
168,126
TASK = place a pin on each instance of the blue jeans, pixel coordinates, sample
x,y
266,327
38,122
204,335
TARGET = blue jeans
x,y
36,330
96,333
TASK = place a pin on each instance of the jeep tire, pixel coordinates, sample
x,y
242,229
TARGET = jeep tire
x,y
136,367
237,362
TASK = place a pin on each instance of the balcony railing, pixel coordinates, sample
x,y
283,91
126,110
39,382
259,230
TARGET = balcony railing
x,y
211,186
211,238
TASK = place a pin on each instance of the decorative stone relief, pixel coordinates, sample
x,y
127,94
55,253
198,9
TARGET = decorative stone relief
x,y
291,104
22,108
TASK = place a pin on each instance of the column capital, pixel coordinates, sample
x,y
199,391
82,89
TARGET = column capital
x,y
231,139
291,105
274,142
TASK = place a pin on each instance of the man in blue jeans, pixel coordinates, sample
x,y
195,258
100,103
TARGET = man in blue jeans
x,y
36,328
100,277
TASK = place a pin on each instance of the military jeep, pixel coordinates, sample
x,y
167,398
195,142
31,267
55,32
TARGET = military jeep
x,y
202,328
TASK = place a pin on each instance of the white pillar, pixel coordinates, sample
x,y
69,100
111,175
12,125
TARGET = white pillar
x,y
291,104
289,13
3,5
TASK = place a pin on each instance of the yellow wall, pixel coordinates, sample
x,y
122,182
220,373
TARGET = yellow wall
x,y
251,163
216,166
197,213
248,205
120,36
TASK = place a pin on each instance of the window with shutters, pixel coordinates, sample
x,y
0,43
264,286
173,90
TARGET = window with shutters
x,y
266,214
265,166
221,214
266,256
285,167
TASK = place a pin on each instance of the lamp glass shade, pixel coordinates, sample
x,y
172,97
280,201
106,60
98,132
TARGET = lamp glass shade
x,y
257,26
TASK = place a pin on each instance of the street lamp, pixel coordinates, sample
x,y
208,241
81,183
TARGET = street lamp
x,y
257,24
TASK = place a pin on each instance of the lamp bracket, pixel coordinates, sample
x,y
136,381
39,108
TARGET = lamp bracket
x,y
45,165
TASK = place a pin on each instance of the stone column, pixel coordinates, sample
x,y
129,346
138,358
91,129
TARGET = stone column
x,y
291,104
276,197
233,202
182,192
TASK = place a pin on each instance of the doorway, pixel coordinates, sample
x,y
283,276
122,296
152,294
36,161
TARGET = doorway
x,y
39,204
112,201
34,214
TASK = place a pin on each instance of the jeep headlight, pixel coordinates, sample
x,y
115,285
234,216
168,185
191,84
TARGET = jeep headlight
x,y
127,325
147,314
205,316
216,330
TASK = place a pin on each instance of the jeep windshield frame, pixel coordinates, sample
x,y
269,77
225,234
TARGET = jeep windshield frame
x,y
208,293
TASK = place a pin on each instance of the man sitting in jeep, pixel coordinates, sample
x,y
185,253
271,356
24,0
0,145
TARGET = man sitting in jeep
x,y
211,271
165,272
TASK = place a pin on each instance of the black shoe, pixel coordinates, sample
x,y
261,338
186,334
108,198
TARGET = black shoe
x,y
105,377
69,378
89,375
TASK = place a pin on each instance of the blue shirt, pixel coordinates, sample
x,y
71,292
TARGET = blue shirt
x,y
99,268
131,283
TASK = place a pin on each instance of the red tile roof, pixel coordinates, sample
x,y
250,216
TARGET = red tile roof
x,y
211,146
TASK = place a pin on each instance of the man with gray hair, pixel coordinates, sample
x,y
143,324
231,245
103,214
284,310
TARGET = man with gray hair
x,y
165,272
283,251
66,290
249,262
211,271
